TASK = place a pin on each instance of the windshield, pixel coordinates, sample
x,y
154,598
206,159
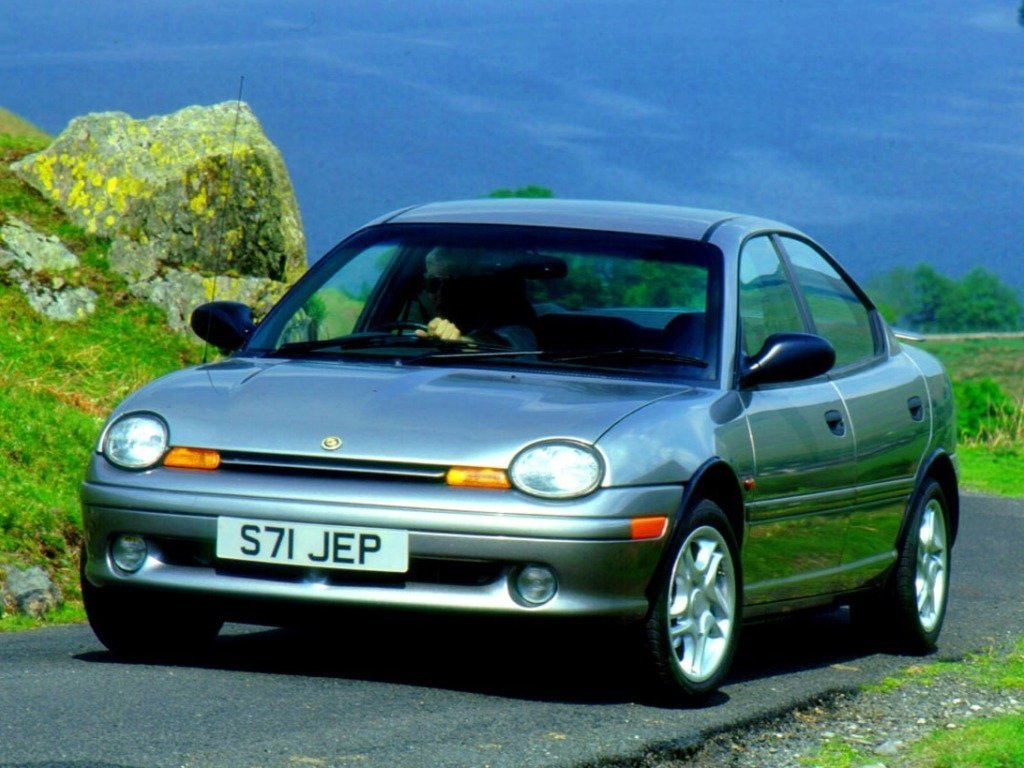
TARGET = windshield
x,y
507,295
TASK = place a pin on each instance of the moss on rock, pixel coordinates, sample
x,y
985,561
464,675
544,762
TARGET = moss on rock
x,y
205,183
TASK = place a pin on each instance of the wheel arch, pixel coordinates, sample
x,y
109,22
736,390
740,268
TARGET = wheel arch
x,y
940,468
714,480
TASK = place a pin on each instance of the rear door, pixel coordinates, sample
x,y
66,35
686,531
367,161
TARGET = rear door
x,y
887,401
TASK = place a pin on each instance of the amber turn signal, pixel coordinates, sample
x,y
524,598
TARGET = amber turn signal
x,y
192,458
477,477
648,527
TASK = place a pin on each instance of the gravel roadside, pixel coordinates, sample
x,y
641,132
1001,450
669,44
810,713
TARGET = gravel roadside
x,y
880,725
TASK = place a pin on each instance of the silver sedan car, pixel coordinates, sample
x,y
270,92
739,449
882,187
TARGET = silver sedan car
x,y
673,419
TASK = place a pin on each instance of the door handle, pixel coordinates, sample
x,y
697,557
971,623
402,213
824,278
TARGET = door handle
x,y
916,408
834,419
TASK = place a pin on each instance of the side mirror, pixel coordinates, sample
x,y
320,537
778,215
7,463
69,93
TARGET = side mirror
x,y
224,324
788,357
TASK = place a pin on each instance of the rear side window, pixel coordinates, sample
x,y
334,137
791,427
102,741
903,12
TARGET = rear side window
x,y
837,313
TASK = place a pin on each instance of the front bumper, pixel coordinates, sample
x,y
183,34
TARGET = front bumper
x,y
465,545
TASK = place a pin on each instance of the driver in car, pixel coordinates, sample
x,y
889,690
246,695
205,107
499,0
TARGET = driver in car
x,y
474,304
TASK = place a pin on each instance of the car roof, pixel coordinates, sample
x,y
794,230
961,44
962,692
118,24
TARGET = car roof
x,y
645,218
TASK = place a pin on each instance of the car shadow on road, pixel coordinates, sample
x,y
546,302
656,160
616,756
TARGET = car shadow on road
x,y
801,641
579,663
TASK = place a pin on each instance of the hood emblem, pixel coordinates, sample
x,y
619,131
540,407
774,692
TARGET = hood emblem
x,y
330,443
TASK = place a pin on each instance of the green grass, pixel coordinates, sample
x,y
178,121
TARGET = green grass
x,y
988,372
997,670
69,613
14,128
57,383
1000,359
992,470
995,743
834,753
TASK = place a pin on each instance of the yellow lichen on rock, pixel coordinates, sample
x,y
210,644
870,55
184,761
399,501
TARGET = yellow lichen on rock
x,y
198,201
201,188
44,168
76,195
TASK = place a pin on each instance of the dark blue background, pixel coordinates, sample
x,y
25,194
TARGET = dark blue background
x,y
891,132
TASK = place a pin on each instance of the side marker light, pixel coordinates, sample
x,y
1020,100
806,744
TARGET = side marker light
x,y
648,527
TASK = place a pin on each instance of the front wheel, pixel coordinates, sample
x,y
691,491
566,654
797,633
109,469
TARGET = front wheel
x,y
693,626
147,625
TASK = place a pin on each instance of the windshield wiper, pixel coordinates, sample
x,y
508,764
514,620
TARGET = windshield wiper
x,y
355,341
472,351
628,354
441,348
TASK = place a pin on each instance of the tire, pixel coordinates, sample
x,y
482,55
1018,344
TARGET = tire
x,y
920,586
133,624
911,608
693,626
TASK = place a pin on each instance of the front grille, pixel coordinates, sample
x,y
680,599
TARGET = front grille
x,y
464,573
330,467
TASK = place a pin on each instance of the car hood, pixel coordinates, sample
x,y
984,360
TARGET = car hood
x,y
416,414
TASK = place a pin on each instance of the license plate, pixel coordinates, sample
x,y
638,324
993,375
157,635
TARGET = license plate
x,y
311,545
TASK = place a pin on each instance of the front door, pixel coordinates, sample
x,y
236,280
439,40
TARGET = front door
x,y
803,478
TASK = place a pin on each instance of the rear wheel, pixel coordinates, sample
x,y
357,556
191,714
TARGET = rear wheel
x,y
147,624
912,607
693,626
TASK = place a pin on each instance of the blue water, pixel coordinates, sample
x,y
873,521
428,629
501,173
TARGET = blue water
x,y
891,132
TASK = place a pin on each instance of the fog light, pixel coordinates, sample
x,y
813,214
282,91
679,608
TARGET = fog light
x,y
129,552
535,584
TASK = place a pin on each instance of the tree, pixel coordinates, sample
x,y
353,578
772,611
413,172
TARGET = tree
x,y
530,190
924,300
931,292
893,293
981,303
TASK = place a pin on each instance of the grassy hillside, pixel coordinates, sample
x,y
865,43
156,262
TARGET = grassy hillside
x,y
19,129
58,381
988,379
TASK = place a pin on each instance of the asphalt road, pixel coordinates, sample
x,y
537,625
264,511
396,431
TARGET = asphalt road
x,y
445,694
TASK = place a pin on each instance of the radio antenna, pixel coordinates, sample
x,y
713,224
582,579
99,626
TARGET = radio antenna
x,y
222,235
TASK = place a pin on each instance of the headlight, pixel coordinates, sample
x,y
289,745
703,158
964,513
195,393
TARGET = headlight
x,y
557,470
137,441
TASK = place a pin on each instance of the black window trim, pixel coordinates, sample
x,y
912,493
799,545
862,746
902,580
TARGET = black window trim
x,y
776,237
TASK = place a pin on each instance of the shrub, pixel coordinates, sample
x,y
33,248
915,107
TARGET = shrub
x,y
986,414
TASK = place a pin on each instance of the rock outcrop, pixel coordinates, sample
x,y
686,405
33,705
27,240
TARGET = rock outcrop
x,y
183,198
30,592
34,262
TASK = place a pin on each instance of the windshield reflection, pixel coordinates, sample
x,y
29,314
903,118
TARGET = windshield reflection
x,y
507,295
